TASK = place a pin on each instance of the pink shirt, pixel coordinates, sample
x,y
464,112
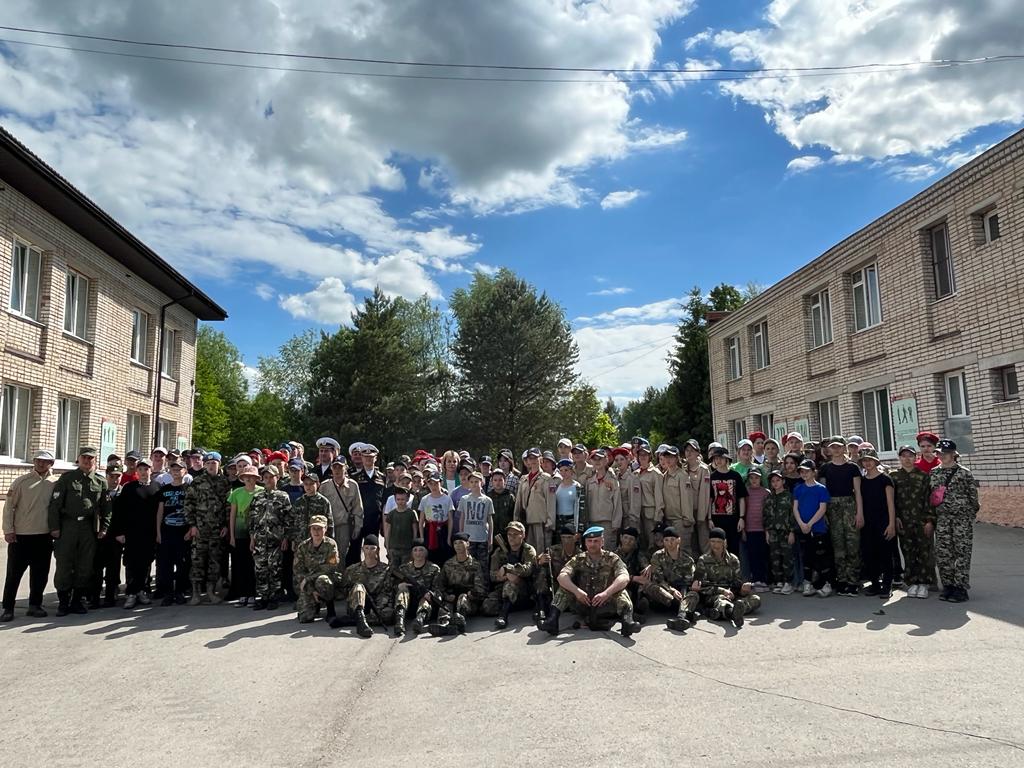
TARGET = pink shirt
x,y
755,509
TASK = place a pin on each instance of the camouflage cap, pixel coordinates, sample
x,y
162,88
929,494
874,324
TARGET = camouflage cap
x,y
515,525
318,521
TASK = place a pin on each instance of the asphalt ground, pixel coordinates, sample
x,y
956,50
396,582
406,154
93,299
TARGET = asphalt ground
x,y
807,682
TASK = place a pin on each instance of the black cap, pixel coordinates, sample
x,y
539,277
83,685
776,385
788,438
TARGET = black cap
x,y
691,443
808,464
461,536
548,455
717,533
906,449
776,473
400,489
418,543
946,446
630,531
670,532
371,540
485,459
659,527
566,530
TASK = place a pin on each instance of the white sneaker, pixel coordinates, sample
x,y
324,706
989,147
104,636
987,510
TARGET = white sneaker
x,y
129,602
787,589
776,589
144,598
825,591
922,591
808,589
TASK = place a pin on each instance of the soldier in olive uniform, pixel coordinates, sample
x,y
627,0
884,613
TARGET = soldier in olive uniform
x,y
368,584
78,514
315,571
549,564
723,594
594,584
415,581
206,514
512,569
672,583
462,588
269,513
915,520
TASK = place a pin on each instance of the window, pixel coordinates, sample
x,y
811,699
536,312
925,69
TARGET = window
x,y
828,418
168,347
1008,383
942,261
764,422
877,419
733,368
140,329
956,394
867,304
25,280
821,319
739,431
165,433
133,433
15,419
76,300
990,223
760,341
69,413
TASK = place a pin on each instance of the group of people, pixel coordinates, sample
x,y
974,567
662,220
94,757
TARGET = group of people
x,y
611,534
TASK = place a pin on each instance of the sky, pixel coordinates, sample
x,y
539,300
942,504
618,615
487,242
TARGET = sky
x,y
287,196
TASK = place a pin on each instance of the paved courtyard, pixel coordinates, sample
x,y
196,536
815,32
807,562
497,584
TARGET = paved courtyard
x,y
807,682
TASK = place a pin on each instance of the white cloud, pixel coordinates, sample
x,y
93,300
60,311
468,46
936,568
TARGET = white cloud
x,y
666,309
804,163
908,111
621,362
620,199
264,291
250,374
488,269
328,304
618,290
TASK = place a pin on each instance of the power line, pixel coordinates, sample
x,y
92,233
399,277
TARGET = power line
x,y
646,344
622,365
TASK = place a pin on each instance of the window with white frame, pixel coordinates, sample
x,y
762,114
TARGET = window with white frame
x,y
69,414
867,302
165,433
733,365
140,331
759,338
990,225
76,304
739,431
133,433
878,418
942,261
15,421
828,418
1008,383
956,394
821,319
25,266
764,422
169,346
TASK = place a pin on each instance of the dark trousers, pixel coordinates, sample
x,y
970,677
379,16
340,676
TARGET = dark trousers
x,y
107,567
173,560
243,570
757,556
138,562
728,524
819,562
31,552
287,572
877,553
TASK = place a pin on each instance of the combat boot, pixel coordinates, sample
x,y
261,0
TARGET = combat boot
x,y
197,593
110,598
400,621
502,621
550,624
419,625
442,626
459,620
78,602
63,602
739,610
630,625
212,593
680,623
362,627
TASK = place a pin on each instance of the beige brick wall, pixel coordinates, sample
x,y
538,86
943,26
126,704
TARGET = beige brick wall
x,y
978,329
98,369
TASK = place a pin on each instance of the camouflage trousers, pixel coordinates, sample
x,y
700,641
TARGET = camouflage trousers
x,y
207,549
715,606
465,604
405,596
385,610
918,554
309,596
661,596
780,558
398,557
954,542
517,594
842,527
266,558
612,610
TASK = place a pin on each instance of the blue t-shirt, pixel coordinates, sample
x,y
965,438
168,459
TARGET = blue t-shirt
x,y
808,498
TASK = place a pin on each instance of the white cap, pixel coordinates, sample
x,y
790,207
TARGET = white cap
x,y
43,456
159,449
566,442
322,441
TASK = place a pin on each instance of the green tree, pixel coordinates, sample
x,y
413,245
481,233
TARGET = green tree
x,y
516,361
211,420
260,422
615,416
221,390
286,374
643,417
601,432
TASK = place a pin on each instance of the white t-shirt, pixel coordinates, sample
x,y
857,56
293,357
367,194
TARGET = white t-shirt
x,y
436,509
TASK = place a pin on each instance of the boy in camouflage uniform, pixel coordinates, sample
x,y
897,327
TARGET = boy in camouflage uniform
x,y
778,528
307,506
462,587
512,569
268,516
315,571
415,581
954,522
915,521
206,514
549,564
671,581
368,585
723,594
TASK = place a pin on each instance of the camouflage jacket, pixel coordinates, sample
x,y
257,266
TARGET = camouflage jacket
x,y
778,513
377,579
311,561
961,499
459,578
912,490
666,572
716,576
303,508
591,576
523,563
635,561
268,515
420,579
206,502
558,561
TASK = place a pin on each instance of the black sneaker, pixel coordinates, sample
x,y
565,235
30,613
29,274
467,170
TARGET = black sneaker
x,y
873,590
7,616
258,604
945,593
168,600
36,611
272,605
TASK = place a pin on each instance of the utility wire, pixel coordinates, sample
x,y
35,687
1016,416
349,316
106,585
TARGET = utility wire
x,y
514,67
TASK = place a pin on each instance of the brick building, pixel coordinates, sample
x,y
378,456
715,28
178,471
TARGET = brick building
x,y
915,321
83,356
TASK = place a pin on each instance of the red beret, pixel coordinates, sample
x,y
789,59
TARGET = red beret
x,y
266,453
620,452
278,455
757,436
931,437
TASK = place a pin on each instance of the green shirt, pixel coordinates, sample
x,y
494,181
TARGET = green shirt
x,y
241,498
402,523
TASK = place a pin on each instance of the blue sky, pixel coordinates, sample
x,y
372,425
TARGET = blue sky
x,y
288,196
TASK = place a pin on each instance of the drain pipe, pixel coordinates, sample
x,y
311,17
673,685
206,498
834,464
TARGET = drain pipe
x,y
160,365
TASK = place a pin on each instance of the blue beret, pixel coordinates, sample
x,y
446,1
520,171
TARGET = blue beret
x,y
212,456
593,532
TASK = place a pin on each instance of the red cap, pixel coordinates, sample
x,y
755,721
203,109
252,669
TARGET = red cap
x,y
931,437
620,452
757,436
278,455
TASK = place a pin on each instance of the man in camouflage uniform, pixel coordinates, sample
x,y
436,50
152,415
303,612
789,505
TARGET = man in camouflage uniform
x,y
954,522
368,584
316,571
915,521
415,584
206,514
268,518
512,569
594,584
462,588
78,514
672,581
717,576
549,564
636,563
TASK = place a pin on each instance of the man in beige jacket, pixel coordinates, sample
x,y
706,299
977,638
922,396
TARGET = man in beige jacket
x,y
27,533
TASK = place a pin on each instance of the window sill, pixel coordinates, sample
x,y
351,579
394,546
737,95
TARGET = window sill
x,y
12,461
136,364
730,381
870,328
25,318
165,377
1008,401
947,297
821,346
764,368
77,339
